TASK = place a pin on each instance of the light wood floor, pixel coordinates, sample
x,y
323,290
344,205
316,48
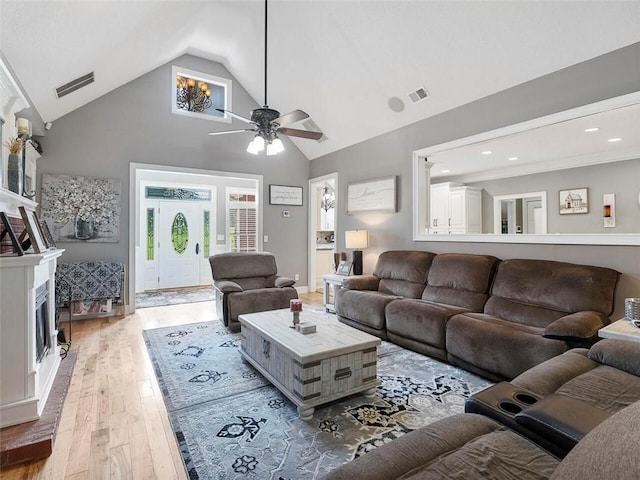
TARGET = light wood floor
x,y
114,423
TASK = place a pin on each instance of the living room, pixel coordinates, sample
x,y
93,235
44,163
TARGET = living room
x,y
112,130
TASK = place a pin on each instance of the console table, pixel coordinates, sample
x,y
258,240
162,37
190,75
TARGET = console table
x,y
621,329
329,280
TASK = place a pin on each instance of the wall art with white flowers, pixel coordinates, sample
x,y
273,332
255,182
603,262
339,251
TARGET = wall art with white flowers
x,y
82,209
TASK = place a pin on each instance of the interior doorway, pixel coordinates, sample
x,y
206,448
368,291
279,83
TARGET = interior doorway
x,y
323,205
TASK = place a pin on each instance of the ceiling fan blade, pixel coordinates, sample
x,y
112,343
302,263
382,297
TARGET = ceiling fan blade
x,y
234,115
291,117
294,132
232,131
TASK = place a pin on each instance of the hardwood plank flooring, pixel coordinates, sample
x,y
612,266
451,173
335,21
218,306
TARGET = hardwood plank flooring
x,y
114,424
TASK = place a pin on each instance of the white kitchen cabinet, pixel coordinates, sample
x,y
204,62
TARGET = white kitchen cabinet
x,y
324,265
455,209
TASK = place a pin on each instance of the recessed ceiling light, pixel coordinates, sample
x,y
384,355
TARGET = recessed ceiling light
x,y
487,152
512,158
446,171
615,139
592,129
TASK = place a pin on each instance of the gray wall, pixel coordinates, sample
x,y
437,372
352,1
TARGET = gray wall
x,y
608,76
621,178
134,123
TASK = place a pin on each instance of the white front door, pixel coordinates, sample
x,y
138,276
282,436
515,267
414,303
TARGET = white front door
x,y
180,246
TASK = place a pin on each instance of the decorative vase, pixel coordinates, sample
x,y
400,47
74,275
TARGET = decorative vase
x,y
84,229
14,174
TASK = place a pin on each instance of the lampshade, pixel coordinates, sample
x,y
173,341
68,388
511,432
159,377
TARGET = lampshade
x,y
356,239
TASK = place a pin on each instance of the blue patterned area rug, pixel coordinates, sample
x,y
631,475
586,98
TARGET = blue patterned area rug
x,y
231,423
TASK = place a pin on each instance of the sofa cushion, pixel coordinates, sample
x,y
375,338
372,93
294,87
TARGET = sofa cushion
x,y
463,446
524,314
549,376
619,354
460,279
605,387
363,306
609,451
242,265
554,286
403,272
259,300
419,320
500,348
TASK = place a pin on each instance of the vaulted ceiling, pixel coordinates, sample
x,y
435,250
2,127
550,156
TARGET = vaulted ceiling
x,y
349,64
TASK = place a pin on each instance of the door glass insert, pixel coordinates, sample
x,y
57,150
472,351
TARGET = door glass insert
x,y
206,234
150,233
179,233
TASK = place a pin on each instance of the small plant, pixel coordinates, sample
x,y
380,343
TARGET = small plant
x,y
14,145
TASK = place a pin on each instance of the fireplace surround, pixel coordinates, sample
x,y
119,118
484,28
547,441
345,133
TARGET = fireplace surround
x,y
27,372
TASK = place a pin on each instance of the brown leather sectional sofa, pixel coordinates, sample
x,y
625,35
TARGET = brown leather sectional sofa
x,y
493,317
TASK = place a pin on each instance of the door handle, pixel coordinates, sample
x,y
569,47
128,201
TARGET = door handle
x,y
197,248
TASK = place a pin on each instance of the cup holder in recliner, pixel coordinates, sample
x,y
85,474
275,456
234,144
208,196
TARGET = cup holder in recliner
x,y
509,407
525,398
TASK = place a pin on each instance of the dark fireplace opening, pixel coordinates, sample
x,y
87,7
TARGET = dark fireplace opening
x,y
43,337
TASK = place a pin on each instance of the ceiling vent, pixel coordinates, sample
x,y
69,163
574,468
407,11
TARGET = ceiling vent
x,y
418,95
74,85
312,126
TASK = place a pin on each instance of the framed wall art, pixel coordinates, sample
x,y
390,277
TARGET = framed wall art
x,y
285,195
377,195
573,201
81,209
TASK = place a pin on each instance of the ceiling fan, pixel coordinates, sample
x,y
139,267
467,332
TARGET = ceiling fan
x,y
266,122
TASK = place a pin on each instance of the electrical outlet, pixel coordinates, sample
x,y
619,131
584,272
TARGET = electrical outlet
x,y
296,277
266,239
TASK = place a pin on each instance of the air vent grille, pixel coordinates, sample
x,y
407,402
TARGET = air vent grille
x,y
418,95
313,127
74,85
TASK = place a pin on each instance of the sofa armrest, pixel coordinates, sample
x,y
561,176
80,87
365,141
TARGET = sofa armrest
x,y
361,282
227,286
561,419
619,354
579,325
284,282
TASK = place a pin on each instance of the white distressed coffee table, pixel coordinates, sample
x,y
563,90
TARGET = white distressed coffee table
x,y
312,369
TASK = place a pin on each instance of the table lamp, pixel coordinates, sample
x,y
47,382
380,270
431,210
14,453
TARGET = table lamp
x,y
357,239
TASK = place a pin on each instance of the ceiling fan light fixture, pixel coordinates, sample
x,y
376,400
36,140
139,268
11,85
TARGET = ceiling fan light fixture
x,y
275,147
256,145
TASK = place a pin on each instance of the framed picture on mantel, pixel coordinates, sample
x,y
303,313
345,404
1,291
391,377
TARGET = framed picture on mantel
x,y
32,229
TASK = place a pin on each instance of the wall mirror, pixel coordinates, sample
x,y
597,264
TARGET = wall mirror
x,y
595,146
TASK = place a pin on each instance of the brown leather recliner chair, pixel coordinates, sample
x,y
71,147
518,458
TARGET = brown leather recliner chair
x,y
247,282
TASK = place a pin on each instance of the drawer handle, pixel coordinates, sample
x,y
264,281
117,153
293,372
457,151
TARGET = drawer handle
x,y
266,348
342,373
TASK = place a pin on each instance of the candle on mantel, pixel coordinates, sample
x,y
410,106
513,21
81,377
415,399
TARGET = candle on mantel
x,y
23,126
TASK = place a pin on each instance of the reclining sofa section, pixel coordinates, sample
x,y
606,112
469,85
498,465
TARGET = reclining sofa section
x,y
491,317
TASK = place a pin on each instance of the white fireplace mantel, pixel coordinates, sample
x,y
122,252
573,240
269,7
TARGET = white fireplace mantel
x,y
26,382
9,203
